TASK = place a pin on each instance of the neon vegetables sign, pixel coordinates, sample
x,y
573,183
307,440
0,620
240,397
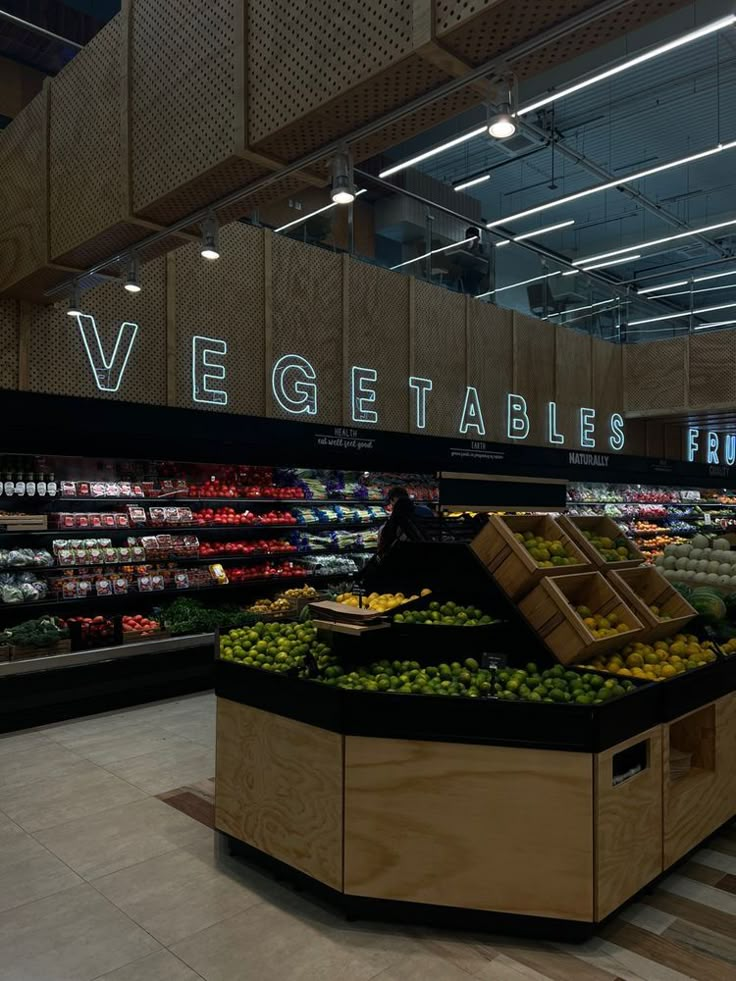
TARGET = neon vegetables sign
x,y
294,386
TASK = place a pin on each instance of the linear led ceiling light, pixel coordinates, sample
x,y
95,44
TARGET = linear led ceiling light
x,y
524,282
133,275
717,323
685,282
210,245
298,221
705,289
537,231
612,262
655,241
472,182
682,314
589,306
445,248
624,66
74,308
630,178
343,187
440,148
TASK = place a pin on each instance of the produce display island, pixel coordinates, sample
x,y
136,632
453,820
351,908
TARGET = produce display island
x,y
490,812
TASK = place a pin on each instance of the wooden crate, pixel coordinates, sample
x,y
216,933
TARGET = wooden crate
x,y
576,525
23,522
508,561
645,587
4,653
133,637
549,611
18,653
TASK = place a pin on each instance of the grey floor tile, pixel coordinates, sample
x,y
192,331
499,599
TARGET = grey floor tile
x,y
84,789
27,870
175,895
202,731
267,943
99,844
12,742
35,762
123,744
161,966
166,769
77,936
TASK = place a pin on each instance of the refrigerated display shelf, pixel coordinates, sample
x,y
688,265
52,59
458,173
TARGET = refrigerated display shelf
x,y
134,593
144,501
190,529
97,654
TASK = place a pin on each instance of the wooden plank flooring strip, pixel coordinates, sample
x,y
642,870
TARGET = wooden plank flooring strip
x,y
623,963
728,882
717,860
687,909
692,937
702,873
663,951
551,962
718,899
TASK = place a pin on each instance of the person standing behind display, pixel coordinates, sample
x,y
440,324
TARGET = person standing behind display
x,y
402,525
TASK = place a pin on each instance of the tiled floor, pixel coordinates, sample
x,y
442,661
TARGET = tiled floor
x,y
109,871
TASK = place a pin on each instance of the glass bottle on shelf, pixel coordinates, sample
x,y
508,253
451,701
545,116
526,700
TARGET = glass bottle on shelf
x,y
51,486
20,485
8,485
41,485
30,485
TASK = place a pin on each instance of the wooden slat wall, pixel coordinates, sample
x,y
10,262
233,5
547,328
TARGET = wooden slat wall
x,y
268,296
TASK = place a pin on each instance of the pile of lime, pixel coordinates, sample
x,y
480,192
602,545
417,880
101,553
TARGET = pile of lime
x,y
446,614
546,552
411,678
612,549
557,685
278,647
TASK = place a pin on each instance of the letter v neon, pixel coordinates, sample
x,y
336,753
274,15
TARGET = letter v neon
x,y
108,374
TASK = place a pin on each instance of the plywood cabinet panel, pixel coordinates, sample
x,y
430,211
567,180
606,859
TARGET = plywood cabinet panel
x,y
628,824
279,788
469,826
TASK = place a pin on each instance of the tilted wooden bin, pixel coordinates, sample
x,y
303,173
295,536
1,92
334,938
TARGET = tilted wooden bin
x,y
645,587
510,563
576,525
549,609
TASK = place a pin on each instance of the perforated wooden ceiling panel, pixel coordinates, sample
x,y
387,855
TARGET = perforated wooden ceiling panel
x,y
394,86
86,167
378,338
224,300
23,193
8,343
186,105
478,30
440,353
57,360
712,379
655,375
306,291
574,385
329,47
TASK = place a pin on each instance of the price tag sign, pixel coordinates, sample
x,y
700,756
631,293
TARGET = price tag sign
x,y
706,518
493,662
360,592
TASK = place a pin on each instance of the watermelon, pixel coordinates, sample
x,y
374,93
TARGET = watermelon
x,y
683,589
730,602
708,603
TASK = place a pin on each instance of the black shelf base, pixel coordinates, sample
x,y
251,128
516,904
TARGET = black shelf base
x,y
398,911
38,698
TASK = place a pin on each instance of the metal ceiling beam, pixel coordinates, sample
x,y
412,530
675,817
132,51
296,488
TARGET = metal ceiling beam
x,y
497,64
558,145
37,29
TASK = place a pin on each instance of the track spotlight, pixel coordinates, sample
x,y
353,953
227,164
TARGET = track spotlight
x,y
75,306
210,246
502,125
133,275
343,187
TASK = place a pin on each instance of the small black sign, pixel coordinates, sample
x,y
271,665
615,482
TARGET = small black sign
x,y
494,662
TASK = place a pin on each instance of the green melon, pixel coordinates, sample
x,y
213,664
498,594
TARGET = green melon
x,y
708,603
